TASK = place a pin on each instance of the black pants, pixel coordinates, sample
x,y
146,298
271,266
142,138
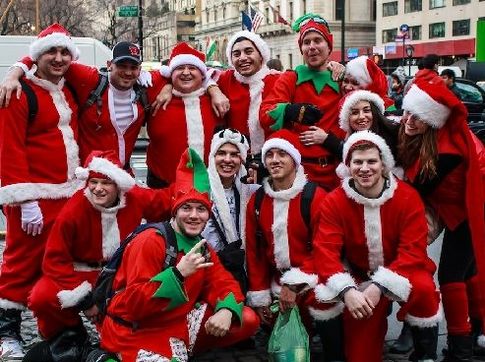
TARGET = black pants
x,y
154,182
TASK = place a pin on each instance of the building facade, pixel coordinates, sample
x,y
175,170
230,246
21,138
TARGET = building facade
x,y
443,27
219,19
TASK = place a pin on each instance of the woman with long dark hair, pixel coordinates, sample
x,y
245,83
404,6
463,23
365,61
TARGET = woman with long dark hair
x,y
439,158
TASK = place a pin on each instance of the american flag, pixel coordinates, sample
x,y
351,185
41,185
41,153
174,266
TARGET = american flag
x,y
256,18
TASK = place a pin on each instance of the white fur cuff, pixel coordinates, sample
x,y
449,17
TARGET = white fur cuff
x,y
260,298
296,276
70,298
425,322
327,314
329,292
8,304
398,285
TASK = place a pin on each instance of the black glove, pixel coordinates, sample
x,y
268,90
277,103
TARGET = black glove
x,y
256,163
303,113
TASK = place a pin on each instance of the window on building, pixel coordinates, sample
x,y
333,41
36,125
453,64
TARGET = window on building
x,y
415,32
304,7
207,16
389,9
411,6
437,30
433,4
461,27
215,14
290,4
339,9
224,12
389,35
460,2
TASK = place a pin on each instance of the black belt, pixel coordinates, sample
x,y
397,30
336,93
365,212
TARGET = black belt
x,y
321,161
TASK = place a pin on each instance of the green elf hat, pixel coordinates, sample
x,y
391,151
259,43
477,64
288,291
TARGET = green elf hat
x,y
312,22
191,181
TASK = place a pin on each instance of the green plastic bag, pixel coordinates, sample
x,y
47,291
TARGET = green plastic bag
x,y
289,339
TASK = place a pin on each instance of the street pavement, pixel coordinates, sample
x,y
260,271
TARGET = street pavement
x,y
258,352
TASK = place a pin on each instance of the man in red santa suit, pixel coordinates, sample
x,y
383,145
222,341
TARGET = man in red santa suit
x,y
187,121
280,264
371,242
85,235
304,101
191,305
38,158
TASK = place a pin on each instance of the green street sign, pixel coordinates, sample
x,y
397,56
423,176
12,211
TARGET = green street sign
x,y
128,11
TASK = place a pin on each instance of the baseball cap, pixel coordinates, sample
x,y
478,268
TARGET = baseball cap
x,y
125,50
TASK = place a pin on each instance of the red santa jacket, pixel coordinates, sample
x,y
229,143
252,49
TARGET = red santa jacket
x,y
38,158
98,130
188,121
245,96
289,89
85,235
285,256
161,319
383,239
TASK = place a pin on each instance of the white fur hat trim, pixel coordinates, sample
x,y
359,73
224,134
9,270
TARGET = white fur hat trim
x,y
255,39
351,100
421,104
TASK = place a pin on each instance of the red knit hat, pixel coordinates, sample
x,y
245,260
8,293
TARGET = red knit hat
x,y
284,140
370,76
431,101
54,35
312,22
105,165
184,54
191,181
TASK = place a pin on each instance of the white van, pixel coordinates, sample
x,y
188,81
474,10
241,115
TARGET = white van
x,y
14,47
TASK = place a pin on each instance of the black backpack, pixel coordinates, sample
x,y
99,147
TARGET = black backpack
x,y
305,205
103,290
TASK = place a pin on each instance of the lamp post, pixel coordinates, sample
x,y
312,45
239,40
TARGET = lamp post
x,y
404,28
409,53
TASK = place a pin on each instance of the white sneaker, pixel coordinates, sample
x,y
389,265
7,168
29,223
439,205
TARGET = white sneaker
x,y
11,349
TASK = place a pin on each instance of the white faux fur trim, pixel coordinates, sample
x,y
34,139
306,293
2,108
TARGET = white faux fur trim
x,y
360,199
327,314
64,125
281,144
101,165
330,291
279,228
41,45
187,59
425,322
386,154
351,100
373,236
260,298
17,193
258,42
297,276
70,298
193,119
8,304
398,285
419,103
357,68
481,340
229,136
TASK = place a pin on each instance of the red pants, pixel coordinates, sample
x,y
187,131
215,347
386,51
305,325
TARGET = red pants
x,y
22,258
44,303
364,339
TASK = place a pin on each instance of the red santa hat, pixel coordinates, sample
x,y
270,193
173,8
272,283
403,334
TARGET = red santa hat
x,y
284,140
254,38
184,54
105,165
351,99
54,35
366,137
312,22
191,181
431,101
370,76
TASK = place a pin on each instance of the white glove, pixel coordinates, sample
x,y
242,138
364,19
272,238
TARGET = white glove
x,y
145,79
32,220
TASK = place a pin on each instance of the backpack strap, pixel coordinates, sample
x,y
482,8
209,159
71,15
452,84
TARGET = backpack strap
x,y
95,95
305,206
32,102
258,200
171,248
142,97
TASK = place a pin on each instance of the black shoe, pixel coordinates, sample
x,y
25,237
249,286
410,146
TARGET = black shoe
x,y
40,352
99,355
425,341
404,343
460,349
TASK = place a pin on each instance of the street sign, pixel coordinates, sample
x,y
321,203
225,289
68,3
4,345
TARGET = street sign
x,y
404,28
128,11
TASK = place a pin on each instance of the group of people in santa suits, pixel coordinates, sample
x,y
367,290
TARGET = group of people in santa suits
x,y
376,183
